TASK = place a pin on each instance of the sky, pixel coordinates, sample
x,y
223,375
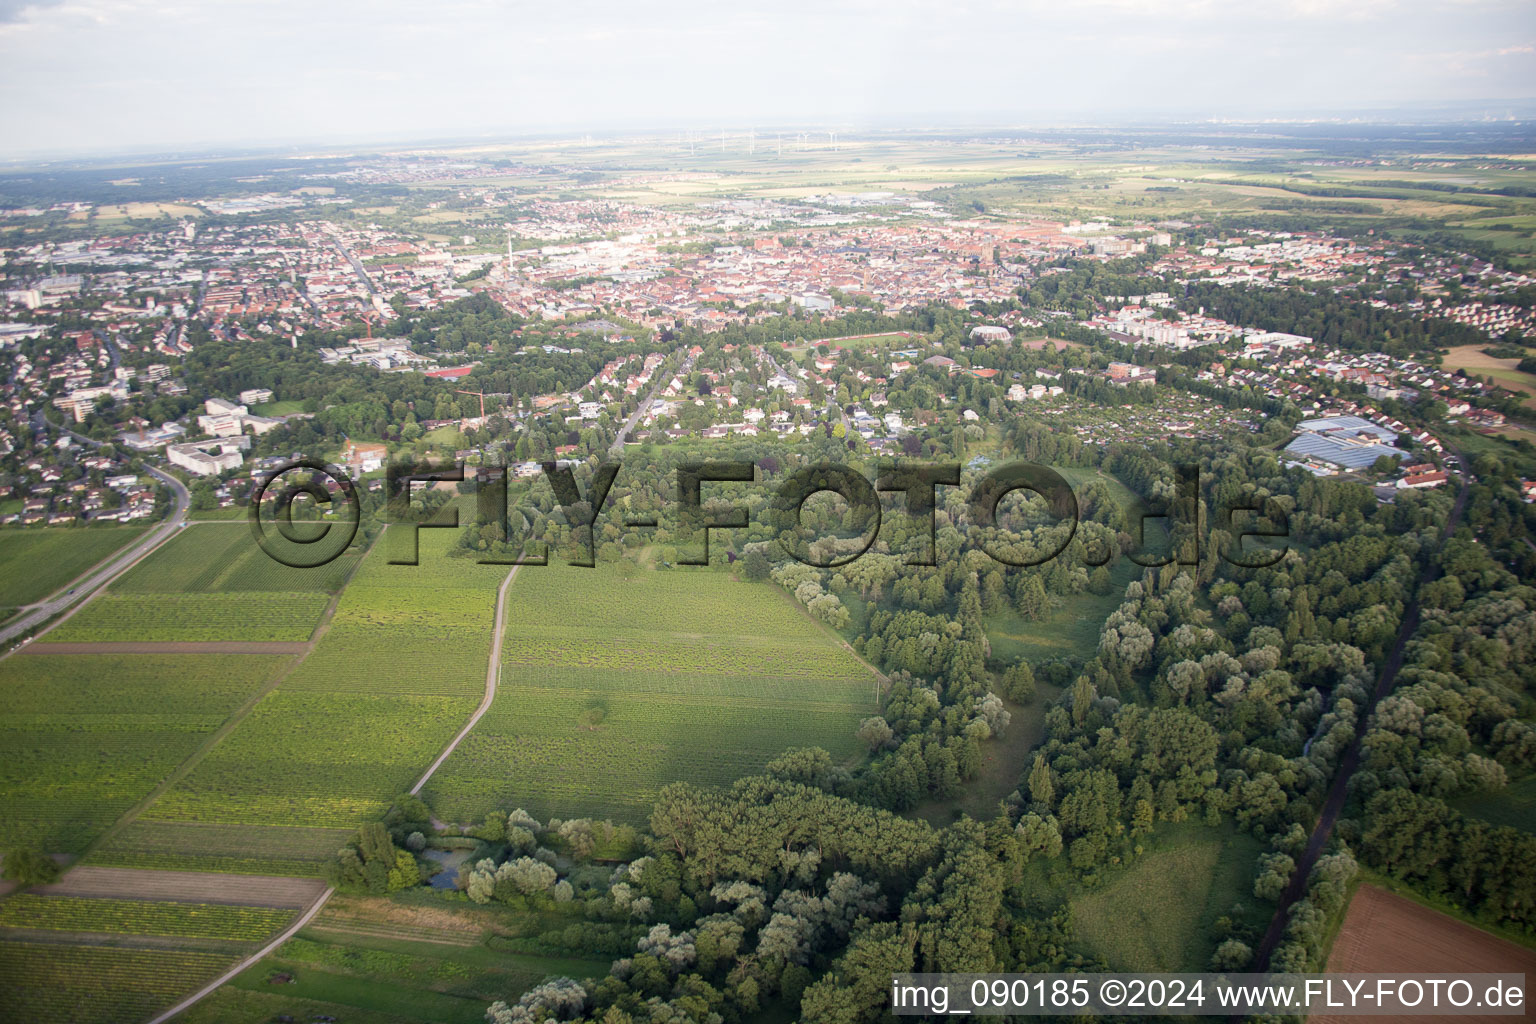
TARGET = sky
x,y
121,76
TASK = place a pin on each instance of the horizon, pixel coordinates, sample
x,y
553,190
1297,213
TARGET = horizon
x,y
117,77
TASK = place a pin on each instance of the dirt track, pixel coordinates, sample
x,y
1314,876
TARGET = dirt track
x,y
187,887
179,647
1384,933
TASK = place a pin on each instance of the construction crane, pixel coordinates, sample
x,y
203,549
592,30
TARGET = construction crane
x,y
482,399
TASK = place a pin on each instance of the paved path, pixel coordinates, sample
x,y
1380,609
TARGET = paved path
x,y
213,985
491,672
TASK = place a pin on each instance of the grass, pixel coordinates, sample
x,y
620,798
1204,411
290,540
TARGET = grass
x,y
1156,915
614,685
1514,805
1004,762
277,408
1070,629
87,736
342,966
209,582
36,563
398,672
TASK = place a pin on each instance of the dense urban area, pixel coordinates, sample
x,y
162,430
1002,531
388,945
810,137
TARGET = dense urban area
x,y
596,719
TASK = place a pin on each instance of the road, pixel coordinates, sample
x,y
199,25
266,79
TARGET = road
x,y
34,615
357,265
1338,792
662,379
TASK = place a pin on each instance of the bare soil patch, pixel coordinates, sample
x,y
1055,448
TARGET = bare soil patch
x,y
187,887
1385,933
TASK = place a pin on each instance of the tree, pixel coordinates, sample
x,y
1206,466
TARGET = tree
x,y
1231,955
755,565
1019,682
876,732
28,867
1042,790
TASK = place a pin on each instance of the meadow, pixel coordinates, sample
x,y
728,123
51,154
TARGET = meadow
x,y
1156,914
614,685
210,582
35,563
88,736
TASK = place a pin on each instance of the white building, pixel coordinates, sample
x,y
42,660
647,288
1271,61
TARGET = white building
x,y
198,457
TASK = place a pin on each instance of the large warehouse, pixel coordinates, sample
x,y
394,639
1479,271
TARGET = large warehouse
x,y
1347,441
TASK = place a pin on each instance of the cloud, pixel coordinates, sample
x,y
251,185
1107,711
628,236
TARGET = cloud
x,y
14,10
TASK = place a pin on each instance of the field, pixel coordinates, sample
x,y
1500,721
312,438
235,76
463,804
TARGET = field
x,y
1384,933
1502,372
209,582
1156,914
613,686
98,985
87,736
92,882
398,672
36,563
143,917
213,847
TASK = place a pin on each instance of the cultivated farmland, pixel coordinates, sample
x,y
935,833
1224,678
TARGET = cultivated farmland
x,y
237,849
35,563
613,686
96,984
1384,933
399,671
142,917
210,582
87,736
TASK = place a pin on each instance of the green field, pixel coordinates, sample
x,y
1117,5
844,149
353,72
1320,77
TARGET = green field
x,y
1156,915
143,917
36,562
191,618
279,408
209,582
614,685
399,671
65,984
1513,806
87,736
238,849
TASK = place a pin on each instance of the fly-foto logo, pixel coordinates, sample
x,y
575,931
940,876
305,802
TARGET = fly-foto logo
x,y
916,483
